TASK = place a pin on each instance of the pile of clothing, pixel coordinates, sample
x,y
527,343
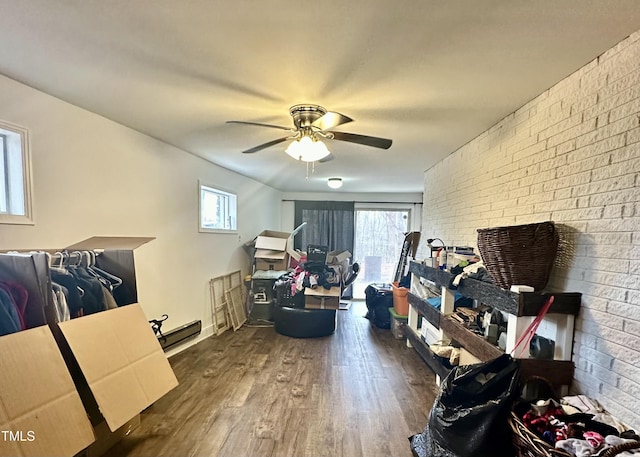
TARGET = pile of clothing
x,y
312,275
578,425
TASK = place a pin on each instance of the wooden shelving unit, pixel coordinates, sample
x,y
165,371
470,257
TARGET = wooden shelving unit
x,y
524,304
520,309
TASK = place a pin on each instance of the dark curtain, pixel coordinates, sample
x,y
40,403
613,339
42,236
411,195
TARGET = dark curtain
x,y
328,224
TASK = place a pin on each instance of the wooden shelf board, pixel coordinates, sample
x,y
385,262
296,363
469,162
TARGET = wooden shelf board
x,y
556,372
422,348
563,303
427,311
475,344
525,304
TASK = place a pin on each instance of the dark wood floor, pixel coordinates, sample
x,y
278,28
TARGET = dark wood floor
x,y
253,392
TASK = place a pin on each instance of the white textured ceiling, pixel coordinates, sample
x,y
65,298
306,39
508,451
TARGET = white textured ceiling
x,y
430,74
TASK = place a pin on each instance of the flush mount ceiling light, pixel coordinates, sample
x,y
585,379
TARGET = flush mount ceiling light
x,y
334,183
307,149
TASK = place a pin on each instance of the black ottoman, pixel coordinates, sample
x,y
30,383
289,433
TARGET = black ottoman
x,y
304,323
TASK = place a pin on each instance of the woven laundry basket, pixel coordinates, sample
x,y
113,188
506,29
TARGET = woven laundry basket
x,y
519,254
528,444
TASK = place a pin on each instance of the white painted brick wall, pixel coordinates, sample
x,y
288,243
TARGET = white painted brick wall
x,y
571,155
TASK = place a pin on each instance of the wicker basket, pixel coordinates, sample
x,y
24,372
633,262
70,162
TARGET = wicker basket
x,y
519,254
528,444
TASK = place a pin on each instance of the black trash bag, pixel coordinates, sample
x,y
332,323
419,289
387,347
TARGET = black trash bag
x,y
378,302
469,417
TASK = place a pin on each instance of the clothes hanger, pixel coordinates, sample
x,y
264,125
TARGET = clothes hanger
x,y
54,257
78,261
112,279
87,255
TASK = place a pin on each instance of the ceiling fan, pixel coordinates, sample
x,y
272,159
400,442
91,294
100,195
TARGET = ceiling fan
x,y
312,122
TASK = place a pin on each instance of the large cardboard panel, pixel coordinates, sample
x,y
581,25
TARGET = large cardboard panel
x,y
321,298
110,242
275,241
121,360
268,254
275,245
41,413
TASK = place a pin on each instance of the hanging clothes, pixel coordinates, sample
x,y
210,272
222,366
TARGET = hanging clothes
x,y
92,298
86,288
9,318
20,296
72,290
60,301
109,301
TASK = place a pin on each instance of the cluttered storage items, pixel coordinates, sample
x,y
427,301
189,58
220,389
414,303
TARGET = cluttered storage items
x,y
501,346
94,362
300,292
388,303
489,410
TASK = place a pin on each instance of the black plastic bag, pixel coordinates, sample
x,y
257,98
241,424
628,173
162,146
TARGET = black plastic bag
x,y
469,417
378,302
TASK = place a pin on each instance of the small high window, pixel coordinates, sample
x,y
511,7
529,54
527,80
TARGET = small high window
x,y
15,175
218,210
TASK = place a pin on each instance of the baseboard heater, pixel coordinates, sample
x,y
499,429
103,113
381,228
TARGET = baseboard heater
x,y
172,337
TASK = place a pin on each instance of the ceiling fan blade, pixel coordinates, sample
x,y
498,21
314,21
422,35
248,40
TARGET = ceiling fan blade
x,y
261,125
382,143
329,158
265,145
330,120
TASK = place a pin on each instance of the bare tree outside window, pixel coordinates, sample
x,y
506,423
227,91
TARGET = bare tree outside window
x,y
379,235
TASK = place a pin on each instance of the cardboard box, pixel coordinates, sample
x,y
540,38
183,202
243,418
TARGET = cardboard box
x,y
321,298
41,413
467,358
106,439
116,360
272,265
270,240
338,257
272,250
101,368
122,361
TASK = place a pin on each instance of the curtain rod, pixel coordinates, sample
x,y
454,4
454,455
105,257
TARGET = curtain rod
x,y
355,201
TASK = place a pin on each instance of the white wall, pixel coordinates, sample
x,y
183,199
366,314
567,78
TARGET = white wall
x,y
96,177
571,155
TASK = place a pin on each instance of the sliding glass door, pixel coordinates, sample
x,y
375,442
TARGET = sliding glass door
x,y
379,234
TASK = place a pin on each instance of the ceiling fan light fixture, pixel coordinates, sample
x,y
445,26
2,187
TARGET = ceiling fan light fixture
x,y
307,150
334,183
